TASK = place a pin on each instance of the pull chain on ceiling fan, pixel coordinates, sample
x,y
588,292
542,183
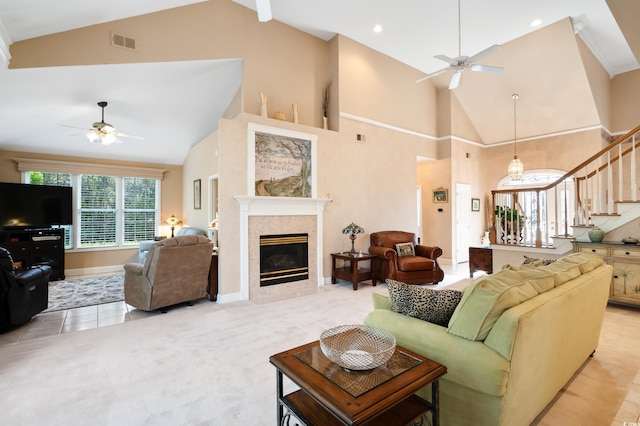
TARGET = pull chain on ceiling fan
x,y
461,63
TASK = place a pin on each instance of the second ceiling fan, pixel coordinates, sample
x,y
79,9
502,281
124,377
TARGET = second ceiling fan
x,y
461,63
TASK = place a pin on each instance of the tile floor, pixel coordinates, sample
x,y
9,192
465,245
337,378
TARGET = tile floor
x,y
66,321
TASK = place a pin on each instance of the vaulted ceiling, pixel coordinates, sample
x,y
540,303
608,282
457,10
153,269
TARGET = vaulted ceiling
x,y
412,32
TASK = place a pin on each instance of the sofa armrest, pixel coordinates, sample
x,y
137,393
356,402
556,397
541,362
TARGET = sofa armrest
x,y
381,302
133,268
471,364
383,252
430,252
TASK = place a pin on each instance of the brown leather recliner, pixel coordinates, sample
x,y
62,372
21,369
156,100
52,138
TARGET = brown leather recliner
x,y
422,268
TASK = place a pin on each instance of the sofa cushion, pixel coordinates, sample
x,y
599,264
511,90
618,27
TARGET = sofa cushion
x,y
586,262
488,297
415,263
435,306
405,249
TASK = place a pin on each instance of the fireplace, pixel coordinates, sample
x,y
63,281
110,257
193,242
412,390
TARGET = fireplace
x,y
283,258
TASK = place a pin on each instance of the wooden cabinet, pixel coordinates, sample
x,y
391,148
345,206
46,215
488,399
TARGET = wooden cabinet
x,y
30,248
480,259
625,259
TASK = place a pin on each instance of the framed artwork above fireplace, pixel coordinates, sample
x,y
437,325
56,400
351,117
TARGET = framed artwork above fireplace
x,y
281,162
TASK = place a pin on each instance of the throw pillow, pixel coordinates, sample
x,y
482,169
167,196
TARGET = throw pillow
x,y
434,306
488,297
405,249
536,261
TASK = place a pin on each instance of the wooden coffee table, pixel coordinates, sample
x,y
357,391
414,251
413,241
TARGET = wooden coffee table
x,y
330,395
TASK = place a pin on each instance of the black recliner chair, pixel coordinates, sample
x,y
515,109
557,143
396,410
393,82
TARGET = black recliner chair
x,y
22,295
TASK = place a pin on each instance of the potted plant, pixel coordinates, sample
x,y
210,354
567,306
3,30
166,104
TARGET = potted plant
x,y
510,218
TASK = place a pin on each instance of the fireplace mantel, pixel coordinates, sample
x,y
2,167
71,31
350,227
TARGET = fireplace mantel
x,y
276,206
280,206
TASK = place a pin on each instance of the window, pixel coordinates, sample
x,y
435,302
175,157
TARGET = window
x,y
111,211
139,209
98,195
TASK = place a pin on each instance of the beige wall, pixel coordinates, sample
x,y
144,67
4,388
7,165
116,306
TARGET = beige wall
x,y
363,180
286,64
599,82
201,163
625,92
170,198
374,86
371,183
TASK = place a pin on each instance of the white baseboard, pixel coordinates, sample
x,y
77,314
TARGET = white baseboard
x,y
100,270
228,298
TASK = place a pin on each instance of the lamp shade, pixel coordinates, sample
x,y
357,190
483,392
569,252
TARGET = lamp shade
x,y
173,221
515,168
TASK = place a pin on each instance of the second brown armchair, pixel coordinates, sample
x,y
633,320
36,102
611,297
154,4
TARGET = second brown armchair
x,y
419,267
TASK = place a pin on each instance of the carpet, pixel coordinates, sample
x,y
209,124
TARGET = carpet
x,y
69,294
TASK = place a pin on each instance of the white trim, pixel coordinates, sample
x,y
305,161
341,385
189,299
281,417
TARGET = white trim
x,y
70,273
386,126
457,138
228,298
5,43
38,165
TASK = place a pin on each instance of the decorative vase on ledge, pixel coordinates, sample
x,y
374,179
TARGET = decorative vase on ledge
x,y
596,235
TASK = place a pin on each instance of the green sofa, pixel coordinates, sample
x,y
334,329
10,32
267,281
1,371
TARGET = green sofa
x,y
514,340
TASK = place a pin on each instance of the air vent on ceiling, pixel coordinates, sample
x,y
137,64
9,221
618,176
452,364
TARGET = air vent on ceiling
x,y
120,40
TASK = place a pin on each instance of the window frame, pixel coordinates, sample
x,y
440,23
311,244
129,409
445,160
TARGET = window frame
x,y
75,179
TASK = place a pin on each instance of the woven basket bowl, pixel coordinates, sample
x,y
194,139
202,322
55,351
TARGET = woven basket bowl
x,y
357,347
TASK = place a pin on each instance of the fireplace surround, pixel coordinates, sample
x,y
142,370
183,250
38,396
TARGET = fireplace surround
x,y
278,215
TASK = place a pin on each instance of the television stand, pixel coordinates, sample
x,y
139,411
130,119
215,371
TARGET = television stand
x,y
33,247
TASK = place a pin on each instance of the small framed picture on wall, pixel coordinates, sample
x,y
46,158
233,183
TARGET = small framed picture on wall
x,y
475,204
196,194
440,195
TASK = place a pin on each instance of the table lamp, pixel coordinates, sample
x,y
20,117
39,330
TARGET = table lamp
x,y
173,222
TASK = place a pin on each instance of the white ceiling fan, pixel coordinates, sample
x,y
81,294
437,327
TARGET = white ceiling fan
x,y
460,63
264,10
104,133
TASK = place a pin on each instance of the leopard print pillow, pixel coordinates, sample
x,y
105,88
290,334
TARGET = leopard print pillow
x,y
435,306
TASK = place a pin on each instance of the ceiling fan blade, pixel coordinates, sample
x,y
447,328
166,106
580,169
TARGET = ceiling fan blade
x,y
486,52
433,74
264,10
450,61
487,68
75,127
125,135
455,80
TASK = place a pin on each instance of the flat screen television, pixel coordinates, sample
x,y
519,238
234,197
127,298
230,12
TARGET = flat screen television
x,y
34,206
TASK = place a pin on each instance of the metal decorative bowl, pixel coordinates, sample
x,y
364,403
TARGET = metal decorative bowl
x,y
357,347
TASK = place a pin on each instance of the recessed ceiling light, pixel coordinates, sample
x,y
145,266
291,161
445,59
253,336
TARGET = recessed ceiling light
x,y
377,29
536,22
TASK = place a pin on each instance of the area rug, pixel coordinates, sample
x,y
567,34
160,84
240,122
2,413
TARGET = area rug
x,y
69,294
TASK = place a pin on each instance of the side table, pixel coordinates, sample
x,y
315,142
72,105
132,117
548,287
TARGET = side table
x,y
352,273
480,259
332,396
213,278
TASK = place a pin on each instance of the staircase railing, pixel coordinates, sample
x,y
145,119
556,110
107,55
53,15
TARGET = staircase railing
x,y
533,216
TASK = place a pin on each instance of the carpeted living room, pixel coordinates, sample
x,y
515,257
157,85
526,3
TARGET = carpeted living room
x,y
262,123
209,364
